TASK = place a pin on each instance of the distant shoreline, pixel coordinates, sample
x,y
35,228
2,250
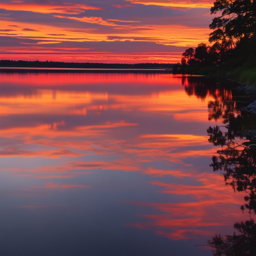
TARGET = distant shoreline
x,y
76,65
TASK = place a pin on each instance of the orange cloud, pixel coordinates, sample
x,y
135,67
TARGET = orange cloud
x,y
92,20
41,8
124,21
180,140
175,4
176,35
97,20
49,33
192,117
115,30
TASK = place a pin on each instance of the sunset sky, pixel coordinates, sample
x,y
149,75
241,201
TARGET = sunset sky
x,y
122,31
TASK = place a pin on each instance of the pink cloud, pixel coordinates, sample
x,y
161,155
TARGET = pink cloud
x,y
64,186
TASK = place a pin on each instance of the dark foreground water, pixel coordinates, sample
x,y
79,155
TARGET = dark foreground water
x,y
112,164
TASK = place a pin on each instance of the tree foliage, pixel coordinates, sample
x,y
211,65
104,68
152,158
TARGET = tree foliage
x,y
241,244
233,36
189,53
237,20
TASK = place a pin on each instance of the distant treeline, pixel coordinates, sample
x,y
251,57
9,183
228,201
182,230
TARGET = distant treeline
x,y
53,64
232,51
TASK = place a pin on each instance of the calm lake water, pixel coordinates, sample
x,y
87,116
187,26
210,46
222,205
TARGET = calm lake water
x,y
111,164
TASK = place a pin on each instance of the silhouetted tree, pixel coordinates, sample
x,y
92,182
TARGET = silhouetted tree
x,y
188,54
201,52
237,20
233,37
183,61
241,244
214,53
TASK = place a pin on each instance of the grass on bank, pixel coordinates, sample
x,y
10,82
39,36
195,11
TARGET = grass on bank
x,y
244,75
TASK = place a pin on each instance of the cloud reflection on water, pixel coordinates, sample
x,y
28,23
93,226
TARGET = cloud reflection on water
x,y
68,126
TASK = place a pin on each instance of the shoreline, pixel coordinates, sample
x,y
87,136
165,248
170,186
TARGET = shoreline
x,y
243,75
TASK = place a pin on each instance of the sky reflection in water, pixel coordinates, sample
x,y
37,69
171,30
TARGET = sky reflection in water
x,y
109,164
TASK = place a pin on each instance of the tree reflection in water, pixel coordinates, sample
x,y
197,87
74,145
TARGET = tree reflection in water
x,y
236,159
